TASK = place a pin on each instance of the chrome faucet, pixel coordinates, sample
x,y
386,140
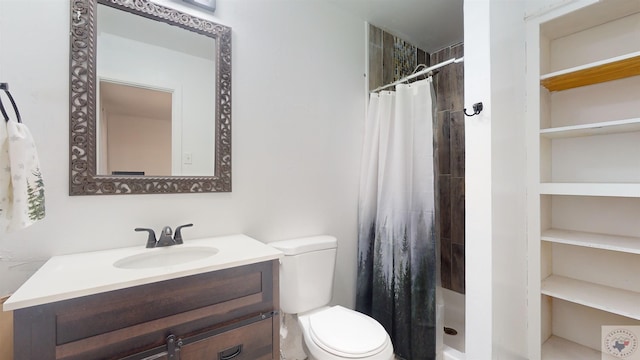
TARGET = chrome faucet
x,y
165,236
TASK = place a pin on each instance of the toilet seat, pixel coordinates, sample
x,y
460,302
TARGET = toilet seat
x,y
347,333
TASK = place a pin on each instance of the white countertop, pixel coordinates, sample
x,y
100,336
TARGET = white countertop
x,y
70,276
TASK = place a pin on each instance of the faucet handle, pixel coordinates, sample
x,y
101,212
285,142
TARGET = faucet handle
x,y
178,234
151,240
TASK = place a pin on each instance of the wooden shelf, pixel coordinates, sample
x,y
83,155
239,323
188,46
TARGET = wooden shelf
x,y
600,128
625,244
557,348
597,72
605,298
591,189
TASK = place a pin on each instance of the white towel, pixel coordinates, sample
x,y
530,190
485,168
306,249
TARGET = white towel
x,y
21,184
5,179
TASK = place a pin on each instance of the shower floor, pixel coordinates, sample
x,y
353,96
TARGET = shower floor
x,y
454,318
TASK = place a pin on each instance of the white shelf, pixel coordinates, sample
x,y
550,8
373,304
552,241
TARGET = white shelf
x,y
606,298
625,244
557,348
601,128
591,189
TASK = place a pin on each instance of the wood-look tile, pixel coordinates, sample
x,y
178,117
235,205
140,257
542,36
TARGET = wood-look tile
x,y
449,87
442,85
375,35
375,57
423,57
434,59
457,210
443,142
457,268
455,100
443,211
388,71
375,67
456,142
445,263
440,55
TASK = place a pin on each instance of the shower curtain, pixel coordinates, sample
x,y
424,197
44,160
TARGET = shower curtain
x,y
398,256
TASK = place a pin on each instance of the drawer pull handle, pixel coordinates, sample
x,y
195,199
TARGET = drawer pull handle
x,y
230,353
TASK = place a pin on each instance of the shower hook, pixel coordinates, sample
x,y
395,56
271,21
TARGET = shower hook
x,y
477,109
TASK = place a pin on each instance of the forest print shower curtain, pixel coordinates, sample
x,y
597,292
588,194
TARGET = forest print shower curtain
x,y
398,260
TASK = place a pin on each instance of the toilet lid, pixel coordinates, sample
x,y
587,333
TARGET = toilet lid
x,y
347,333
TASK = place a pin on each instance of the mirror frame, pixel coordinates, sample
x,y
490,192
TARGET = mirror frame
x,y
83,178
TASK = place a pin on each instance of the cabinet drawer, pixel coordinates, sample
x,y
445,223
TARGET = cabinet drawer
x,y
88,316
249,342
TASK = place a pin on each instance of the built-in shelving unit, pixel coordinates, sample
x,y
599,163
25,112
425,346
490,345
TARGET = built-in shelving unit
x,y
584,165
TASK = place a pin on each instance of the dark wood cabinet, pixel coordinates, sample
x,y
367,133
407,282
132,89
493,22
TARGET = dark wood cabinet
x,y
224,314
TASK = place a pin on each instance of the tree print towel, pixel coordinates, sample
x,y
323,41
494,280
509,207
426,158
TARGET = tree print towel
x,y
21,184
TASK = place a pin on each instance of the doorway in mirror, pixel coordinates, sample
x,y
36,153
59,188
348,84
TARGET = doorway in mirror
x,y
134,130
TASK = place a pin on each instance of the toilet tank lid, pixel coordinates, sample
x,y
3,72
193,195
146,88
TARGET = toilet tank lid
x,y
304,245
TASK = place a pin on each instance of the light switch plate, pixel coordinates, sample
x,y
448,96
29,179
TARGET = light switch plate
x,y
187,158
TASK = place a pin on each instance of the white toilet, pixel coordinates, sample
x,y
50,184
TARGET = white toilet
x,y
306,284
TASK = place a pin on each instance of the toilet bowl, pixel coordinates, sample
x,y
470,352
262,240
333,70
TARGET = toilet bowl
x,y
338,333
306,284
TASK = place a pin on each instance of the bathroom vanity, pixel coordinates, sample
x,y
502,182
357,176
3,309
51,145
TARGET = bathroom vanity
x,y
223,306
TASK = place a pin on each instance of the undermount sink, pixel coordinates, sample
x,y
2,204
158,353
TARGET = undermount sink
x,y
166,256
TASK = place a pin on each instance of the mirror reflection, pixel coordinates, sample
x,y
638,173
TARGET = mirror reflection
x,y
156,86
134,130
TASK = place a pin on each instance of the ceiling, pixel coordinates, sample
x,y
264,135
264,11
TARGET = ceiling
x,y
429,24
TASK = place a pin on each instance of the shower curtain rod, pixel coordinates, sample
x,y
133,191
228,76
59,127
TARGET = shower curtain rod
x,y
421,72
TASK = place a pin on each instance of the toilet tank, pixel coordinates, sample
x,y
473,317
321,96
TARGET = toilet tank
x,y
306,272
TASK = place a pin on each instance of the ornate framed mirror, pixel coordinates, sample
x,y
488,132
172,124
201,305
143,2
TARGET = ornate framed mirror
x,y
118,146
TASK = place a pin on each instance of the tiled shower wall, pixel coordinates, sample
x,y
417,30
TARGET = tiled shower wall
x,y
391,58
449,86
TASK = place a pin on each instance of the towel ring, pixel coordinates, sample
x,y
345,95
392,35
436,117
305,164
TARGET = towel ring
x,y
5,88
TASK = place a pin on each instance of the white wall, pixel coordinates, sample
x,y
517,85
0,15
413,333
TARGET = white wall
x,y
508,174
496,261
298,112
537,7
477,88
